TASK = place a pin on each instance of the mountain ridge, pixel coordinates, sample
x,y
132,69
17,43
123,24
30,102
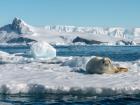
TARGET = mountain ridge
x,y
18,28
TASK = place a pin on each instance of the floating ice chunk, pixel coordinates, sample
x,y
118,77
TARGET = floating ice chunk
x,y
42,50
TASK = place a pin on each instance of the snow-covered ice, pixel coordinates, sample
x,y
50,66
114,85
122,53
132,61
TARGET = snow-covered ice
x,y
42,50
66,75
12,58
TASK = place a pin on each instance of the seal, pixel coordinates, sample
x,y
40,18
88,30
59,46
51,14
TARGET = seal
x,y
99,65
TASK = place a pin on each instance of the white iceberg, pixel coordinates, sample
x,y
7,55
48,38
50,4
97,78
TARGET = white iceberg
x,y
42,50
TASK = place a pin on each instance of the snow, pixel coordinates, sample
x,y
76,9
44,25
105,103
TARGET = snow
x,y
66,75
59,34
121,43
21,27
137,31
6,57
12,58
42,50
15,30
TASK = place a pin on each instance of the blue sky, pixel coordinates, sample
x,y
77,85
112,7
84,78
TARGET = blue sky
x,y
106,13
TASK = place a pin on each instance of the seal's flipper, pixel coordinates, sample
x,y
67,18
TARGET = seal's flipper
x,y
121,69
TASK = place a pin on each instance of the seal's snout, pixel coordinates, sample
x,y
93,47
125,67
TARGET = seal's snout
x,y
106,61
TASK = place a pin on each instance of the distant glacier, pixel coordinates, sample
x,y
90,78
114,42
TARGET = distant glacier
x,y
19,30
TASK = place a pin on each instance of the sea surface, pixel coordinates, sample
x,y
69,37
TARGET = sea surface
x,y
116,53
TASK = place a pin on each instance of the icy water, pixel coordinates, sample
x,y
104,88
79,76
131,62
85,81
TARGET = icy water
x,y
69,100
119,53
116,53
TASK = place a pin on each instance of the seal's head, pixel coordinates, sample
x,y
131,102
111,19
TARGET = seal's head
x,y
106,61
106,65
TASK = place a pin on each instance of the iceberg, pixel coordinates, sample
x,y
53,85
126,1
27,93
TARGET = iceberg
x,y
42,50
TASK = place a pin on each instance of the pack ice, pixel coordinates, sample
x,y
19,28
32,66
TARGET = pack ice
x,y
42,50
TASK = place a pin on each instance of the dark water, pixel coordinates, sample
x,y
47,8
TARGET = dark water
x,y
69,100
118,53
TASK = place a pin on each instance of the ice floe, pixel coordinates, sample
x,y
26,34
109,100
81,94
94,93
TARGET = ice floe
x,y
61,75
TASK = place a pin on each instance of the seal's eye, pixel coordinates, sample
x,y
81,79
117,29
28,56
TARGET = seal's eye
x,y
103,61
109,60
